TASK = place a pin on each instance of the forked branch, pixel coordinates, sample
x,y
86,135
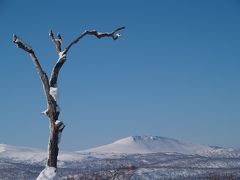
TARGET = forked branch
x,y
62,54
50,86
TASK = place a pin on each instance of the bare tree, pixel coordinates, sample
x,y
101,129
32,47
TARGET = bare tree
x,y
50,85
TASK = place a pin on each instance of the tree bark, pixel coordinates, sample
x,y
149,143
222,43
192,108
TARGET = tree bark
x,y
53,148
53,111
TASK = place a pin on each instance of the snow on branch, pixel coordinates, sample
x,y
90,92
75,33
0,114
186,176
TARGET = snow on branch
x,y
114,35
45,112
54,93
60,126
54,75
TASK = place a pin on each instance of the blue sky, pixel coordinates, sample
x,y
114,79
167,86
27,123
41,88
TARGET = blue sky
x,y
175,71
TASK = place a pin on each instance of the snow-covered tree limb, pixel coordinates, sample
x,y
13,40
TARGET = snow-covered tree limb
x,y
56,69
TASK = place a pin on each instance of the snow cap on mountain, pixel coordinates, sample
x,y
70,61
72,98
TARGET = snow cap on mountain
x,y
151,144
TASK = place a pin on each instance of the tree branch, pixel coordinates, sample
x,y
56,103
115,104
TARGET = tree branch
x,y
54,75
43,76
114,35
62,54
61,59
57,41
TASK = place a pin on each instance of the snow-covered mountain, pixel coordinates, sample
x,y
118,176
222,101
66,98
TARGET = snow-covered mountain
x,y
157,144
128,145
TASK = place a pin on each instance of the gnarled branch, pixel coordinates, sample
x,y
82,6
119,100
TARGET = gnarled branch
x,y
62,54
43,76
114,35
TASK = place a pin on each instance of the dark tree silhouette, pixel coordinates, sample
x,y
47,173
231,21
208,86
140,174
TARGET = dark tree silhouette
x,y
50,85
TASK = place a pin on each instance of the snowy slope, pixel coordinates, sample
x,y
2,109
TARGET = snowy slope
x,y
156,144
129,145
34,155
22,153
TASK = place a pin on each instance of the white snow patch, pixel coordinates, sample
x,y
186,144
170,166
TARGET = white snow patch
x,y
49,173
44,112
61,55
118,35
57,122
60,130
54,93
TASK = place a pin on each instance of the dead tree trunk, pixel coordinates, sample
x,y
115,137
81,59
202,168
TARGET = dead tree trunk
x,y
50,85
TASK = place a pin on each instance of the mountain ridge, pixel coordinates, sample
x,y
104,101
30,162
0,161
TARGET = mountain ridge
x,y
159,144
128,145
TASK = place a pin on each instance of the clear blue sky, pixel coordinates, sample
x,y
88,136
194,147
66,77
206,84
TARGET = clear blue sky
x,y
174,73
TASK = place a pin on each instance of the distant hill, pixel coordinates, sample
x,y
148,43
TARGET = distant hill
x,y
156,144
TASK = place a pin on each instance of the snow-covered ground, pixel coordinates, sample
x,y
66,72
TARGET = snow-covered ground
x,y
138,157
